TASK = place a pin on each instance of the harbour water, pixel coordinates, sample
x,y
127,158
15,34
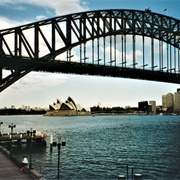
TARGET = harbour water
x,y
100,147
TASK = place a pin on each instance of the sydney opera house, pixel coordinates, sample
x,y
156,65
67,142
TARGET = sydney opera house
x,y
67,108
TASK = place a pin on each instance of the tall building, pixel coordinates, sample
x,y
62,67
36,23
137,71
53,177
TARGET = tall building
x,y
143,106
168,102
164,104
177,101
153,104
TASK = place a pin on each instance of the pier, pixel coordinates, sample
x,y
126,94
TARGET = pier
x,y
34,136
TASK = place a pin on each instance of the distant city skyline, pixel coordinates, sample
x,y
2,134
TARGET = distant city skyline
x,y
152,101
171,101
40,89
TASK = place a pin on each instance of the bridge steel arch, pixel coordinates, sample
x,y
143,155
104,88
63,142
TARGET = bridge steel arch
x,y
94,43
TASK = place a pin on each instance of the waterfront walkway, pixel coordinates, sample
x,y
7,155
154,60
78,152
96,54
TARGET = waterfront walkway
x,y
9,168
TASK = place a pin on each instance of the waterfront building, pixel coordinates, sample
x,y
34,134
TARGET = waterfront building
x,y
69,104
149,108
27,108
153,104
177,101
67,108
23,106
143,106
168,102
13,107
164,104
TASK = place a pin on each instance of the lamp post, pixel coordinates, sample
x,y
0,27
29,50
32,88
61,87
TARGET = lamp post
x,y
59,147
0,128
12,126
63,143
30,133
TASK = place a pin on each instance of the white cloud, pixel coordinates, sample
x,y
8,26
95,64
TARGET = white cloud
x,y
40,17
7,23
138,53
35,89
39,81
60,7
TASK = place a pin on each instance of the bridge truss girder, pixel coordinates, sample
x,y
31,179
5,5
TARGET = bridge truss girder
x,y
76,30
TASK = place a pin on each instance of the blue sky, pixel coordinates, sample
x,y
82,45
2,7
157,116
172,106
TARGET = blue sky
x,y
42,89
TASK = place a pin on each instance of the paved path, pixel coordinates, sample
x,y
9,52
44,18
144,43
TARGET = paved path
x,y
10,171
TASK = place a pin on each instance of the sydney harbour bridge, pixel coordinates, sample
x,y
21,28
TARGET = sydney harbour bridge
x,y
118,43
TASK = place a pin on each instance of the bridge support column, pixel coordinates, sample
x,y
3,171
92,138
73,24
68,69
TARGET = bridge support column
x,y
1,74
1,46
1,54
